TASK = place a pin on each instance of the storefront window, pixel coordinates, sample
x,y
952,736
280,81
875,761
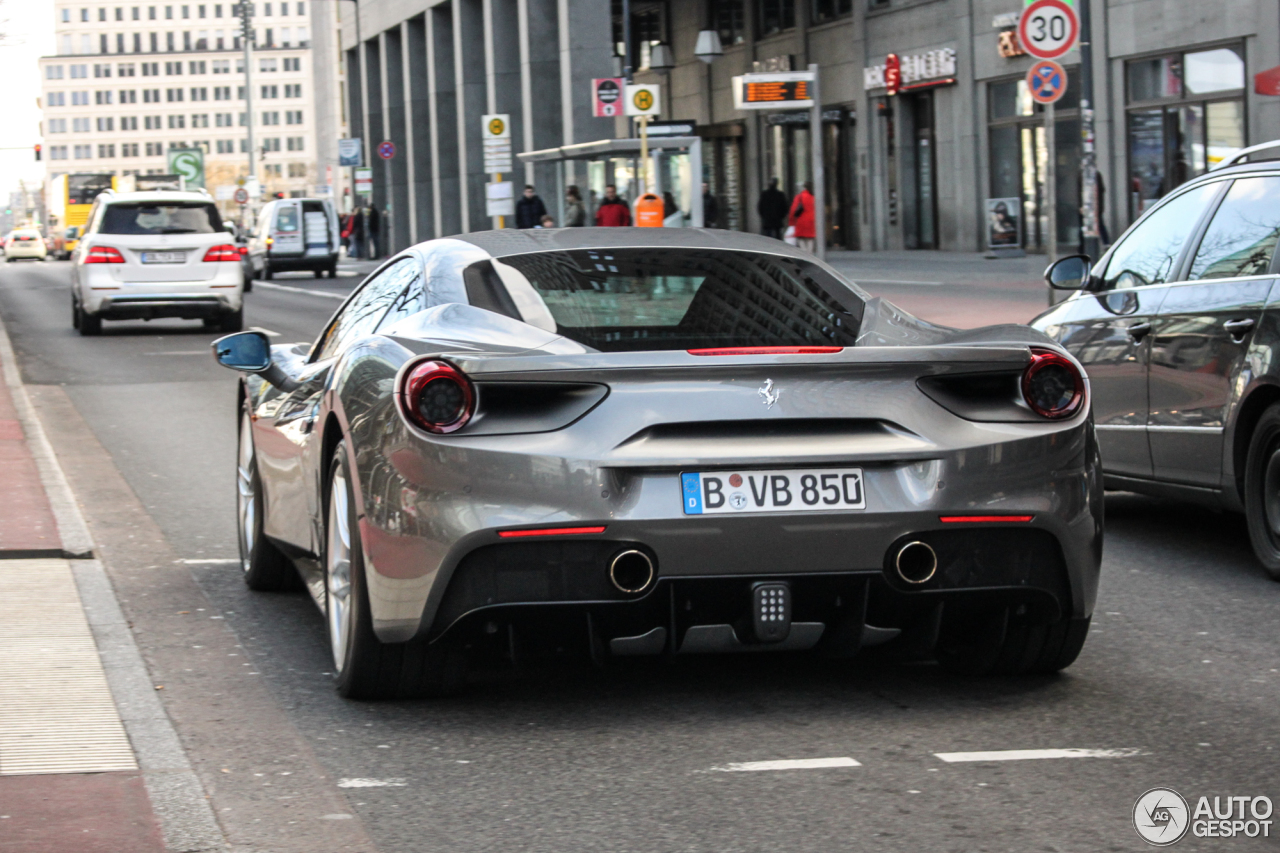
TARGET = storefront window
x,y
829,10
729,18
776,16
1186,115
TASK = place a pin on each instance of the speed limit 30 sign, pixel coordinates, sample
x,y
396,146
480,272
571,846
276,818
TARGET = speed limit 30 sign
x,y
1048,29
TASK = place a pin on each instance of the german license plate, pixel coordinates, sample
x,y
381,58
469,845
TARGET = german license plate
x,y
164,257
788,490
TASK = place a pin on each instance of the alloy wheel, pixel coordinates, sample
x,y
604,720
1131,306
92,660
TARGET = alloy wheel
x,y
246,493
1271,491
338,570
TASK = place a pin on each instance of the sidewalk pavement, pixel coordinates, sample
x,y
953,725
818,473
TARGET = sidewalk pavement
x,y
89,761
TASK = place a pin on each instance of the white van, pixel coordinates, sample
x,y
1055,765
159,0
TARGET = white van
x,y
295,234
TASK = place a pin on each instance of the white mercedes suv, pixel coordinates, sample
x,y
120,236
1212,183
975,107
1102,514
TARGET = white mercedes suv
x,y
156,254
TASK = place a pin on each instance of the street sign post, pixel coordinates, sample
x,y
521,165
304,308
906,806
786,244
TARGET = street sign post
x,y
242,195
1048,29
495,137
386,150
349,152
643,100
188,164
499,199
1046,81
606,96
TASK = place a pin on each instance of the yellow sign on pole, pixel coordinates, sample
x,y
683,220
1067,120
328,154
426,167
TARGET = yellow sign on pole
x,y
643,99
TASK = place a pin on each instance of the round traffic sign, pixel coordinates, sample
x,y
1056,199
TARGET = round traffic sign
x,y
643,99
1048,29
1046,80
242,196
496,126
386,150
608,91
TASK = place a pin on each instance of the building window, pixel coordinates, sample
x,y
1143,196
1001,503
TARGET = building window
x,y
244,119
266,9
129,149
244,146
102,71
84,15
79,99
53,72
177,122
297,170
186,40
295,143
150,96
102,14
269,118
126,69
66,16
200,11
200,120
829,10
271,143
83,152
170,42
168,13
137,13
222,93
293,90
155,43
196,67
128,122
1185,115
270,92
173,68
777,16
102,97
106,124
186,11
172,95
128,96
293,63
274,170
58,152
152,122
56,99
155,149
222,66
151,13
199,93
267,64
106,152
226,146
222,120
151,69
293,117
729,18
239,93
57,125
302,8
217,11
119,42
102,44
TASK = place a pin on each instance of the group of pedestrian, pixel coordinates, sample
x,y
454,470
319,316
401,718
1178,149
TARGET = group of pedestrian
x,y
360,232
791,220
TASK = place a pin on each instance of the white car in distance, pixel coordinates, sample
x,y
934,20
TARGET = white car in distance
x,y
24,243
145,255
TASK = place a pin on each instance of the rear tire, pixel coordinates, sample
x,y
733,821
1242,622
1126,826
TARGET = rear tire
x,y
319,273
365,667
265,568
1262,491
90,324
75,313
233,322
333,271
999,642
266,271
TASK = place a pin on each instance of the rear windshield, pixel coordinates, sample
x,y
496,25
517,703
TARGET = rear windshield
x,y
167,218
287,219
623,300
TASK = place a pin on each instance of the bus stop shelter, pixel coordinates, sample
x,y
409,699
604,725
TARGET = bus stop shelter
x,y
675,167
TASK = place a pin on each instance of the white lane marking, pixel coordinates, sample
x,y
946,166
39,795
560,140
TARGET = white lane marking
x,y
224,561
1032,754
267,332
269,286
893,281
787,764
372,783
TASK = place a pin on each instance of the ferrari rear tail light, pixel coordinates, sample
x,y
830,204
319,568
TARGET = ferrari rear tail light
x,y
224,252
437,397
103,255
1052,385
764,350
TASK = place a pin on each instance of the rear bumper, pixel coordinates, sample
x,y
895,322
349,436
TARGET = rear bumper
x,y
101,294
148,307
290,263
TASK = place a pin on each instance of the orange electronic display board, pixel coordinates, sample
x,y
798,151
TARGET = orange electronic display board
x,y
774,90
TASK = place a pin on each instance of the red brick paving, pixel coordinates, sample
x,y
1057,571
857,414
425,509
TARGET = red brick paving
x,y
26,521
77,813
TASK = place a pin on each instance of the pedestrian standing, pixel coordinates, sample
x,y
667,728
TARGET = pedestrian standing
x,y
801,218
710,207
372,227
772,208
358,231
613,211
529,209
575,214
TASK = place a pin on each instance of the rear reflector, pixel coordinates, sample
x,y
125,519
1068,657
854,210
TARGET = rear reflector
x,y
982,519
765,351
549,531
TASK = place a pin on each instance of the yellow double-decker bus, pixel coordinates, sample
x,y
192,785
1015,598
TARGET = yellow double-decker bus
x,y
77,192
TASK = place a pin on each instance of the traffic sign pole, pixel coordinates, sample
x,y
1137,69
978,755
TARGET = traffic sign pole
x,y
819,176
1089,211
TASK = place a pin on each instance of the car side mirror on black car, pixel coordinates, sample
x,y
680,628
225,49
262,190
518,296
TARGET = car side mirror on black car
x,y
1069,273
250,352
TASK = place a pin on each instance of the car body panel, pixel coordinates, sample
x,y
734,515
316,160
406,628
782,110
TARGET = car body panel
x,y
429,503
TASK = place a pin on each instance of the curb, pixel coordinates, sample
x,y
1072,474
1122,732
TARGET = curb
x,y
177,798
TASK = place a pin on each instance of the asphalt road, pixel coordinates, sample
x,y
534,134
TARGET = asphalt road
x,y
1180,672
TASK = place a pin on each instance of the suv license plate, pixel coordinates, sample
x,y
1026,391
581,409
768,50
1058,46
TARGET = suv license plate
x,y
788,490
164,257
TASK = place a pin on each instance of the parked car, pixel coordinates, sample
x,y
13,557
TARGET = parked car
x,y
645,441
156,254
1178,326
24,243
295,234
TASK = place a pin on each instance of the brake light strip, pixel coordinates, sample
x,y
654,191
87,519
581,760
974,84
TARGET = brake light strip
x,y
549,531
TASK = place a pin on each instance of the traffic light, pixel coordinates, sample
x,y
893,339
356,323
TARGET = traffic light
x,y
37,151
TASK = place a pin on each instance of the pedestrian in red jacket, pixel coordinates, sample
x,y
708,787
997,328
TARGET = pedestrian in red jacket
x,y
801,217
613,211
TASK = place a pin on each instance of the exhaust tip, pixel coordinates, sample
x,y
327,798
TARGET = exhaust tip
x,y
631,571
916,562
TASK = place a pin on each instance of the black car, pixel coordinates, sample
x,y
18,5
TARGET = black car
x,y
1178,326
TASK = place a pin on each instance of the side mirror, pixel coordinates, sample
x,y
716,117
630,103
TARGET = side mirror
x,y
248,352
1069,273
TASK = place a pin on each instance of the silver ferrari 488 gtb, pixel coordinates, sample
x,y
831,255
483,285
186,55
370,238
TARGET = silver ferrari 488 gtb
x,y
662,441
